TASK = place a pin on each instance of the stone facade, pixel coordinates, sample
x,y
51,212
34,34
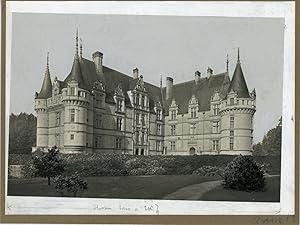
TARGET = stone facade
x,y
97,109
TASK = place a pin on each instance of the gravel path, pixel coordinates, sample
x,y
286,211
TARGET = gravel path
x,y
193,192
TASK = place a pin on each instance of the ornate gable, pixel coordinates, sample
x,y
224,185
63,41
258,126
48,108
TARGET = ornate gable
x,y
98,86
140,84
119,92
173,104
193,100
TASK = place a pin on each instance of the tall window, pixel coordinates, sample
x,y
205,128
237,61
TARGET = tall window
x,y
231,122
98,141
231,101
158,114
143,138
231,133
72,115
216,127
119,123
193,112
215,145
143,100
72,90
193,129
119,105
158,129
231,143
158,145
57,119
216,109
118,143
143,120
173,129
98,121
173,145
72,137
137,118
137,137
173,115
137,99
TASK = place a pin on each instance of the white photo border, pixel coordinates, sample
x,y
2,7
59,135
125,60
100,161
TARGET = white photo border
x,y
89,206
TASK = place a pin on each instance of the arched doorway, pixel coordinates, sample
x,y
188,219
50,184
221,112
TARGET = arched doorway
x,y
192,151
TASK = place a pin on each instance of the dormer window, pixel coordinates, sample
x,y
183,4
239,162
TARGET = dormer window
x,y
158,114
193,112
72,91
119,105
173,115
231,101
216,109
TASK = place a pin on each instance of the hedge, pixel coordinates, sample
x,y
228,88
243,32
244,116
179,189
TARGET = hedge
x,y
122,165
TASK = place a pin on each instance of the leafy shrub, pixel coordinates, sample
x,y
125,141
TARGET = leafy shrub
x,y
71,184
144,166
208,171
243,173
48,164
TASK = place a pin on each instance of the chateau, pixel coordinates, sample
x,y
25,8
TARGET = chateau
x,y
98,109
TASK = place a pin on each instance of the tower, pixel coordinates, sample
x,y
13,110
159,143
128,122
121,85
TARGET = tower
x,y
75,100
237,111
42,109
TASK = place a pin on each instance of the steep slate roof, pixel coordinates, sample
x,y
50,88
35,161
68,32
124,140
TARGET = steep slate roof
x,y
84,71
203,90
46,90
238,82
76,73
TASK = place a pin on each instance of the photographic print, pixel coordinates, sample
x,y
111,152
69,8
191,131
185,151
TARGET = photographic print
x,y
150,113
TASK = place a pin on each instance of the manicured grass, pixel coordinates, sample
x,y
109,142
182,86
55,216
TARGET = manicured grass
x,y
148,187
271,193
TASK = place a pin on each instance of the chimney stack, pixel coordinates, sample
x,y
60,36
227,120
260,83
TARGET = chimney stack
x,y
98,60
197,76
169,87
135,73
209,72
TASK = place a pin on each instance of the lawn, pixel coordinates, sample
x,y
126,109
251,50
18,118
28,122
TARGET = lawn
x,y
271,194
139,187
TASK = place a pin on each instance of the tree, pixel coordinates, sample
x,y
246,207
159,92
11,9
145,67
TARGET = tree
x,y
271,143
49,164
22,133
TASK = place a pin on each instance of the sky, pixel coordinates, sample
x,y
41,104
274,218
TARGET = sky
x,y
164,46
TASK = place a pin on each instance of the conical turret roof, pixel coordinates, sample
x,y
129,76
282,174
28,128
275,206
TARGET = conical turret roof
x,y
76,73
238,82
46,90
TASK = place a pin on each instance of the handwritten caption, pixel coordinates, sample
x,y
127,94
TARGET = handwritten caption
x,y
148,207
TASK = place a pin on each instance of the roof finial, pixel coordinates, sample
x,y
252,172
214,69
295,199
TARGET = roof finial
x,y
80,48
227,63
238,59
47,59
76,47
